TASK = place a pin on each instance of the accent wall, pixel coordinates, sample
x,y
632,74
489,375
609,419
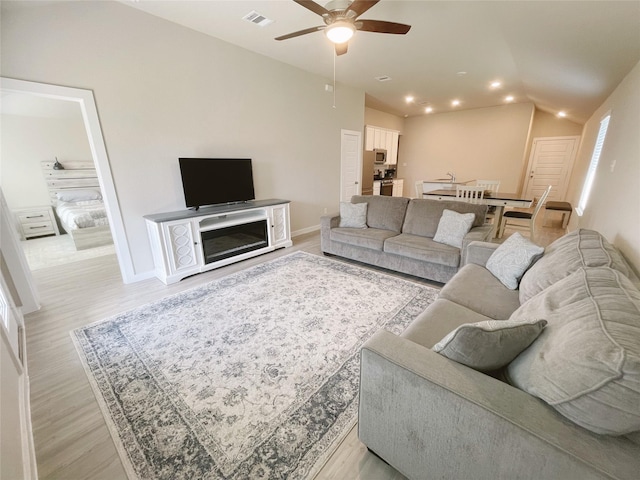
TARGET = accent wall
x,y
164,91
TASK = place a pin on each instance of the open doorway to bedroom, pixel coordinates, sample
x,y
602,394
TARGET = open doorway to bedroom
x,y
42,123
37,132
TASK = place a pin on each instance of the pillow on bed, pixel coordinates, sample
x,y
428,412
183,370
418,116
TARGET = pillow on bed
x,y
78,195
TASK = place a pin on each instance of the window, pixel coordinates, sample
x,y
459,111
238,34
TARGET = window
x,y
593,166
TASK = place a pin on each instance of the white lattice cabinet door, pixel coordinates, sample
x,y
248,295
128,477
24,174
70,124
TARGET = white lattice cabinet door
x,y
280,229
182,250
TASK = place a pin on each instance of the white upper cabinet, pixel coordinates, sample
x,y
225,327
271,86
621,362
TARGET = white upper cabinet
x,y
377,137
392,151
369,138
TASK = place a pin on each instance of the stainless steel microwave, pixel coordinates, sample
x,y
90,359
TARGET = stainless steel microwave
x,y
380,155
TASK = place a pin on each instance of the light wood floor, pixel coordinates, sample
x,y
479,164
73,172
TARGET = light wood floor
x,y
71,437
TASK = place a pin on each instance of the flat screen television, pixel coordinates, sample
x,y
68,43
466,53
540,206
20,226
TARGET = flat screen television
x,y
212,181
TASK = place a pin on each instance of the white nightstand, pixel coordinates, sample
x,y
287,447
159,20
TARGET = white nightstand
x,y
37,221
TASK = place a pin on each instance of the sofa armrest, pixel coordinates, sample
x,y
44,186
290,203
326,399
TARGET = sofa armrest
x,y
327,222
430,417
481,234
330,221
479,252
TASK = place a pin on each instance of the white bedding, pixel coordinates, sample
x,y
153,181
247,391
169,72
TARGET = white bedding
x,y
82,214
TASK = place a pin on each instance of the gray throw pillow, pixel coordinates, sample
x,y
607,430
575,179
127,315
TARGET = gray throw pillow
x,y
353,215
452,228
491,344
511,259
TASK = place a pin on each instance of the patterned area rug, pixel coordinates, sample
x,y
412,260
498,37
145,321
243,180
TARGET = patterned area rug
x,y
254,375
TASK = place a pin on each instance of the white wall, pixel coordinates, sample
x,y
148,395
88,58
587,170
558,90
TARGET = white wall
x,y
383,119
164,91
27,141
484,143
614,204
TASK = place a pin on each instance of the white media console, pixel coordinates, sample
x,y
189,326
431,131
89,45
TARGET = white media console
x,y
193,241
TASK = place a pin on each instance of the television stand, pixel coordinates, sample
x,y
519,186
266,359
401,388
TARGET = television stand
x,y
187,242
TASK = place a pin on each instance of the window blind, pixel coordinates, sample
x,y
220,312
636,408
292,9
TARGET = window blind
x,y
593,166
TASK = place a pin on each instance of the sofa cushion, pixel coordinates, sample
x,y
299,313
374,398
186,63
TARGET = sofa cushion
x,y
452,228
580,248
511,259
384,212
423,249
437,320
586,363
476,288
353,215
362,237
423,215
490,344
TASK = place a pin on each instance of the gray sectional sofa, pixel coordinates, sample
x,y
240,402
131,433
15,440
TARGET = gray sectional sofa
x,y
567,407
399,236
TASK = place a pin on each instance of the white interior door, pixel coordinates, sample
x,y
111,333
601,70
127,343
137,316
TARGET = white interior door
x,y
550,163
350,164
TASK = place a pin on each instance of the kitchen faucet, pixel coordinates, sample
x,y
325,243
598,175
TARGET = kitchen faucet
x,y
453,177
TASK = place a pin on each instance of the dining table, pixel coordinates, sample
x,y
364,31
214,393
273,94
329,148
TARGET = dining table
x,y
499,200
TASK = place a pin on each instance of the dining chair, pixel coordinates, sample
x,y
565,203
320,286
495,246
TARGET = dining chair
x,y
419,189
493,186
518,219
469,194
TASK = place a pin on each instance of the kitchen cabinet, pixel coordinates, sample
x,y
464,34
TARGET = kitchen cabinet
x,y
377,137
392,151
369,138
398,187
376,187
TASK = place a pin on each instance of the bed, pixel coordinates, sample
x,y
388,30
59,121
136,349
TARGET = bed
x,y
77,200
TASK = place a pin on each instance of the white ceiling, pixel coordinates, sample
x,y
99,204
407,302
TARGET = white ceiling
x,y
559,55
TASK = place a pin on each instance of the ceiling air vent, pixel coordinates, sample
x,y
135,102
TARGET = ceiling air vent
x,y
255,17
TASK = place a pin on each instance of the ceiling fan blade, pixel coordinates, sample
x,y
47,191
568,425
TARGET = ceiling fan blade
x,y
360,6
313,6
301,32
341,48
380,26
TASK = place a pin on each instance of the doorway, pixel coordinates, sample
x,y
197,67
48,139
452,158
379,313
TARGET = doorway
x,y
85,100
550,163
350,164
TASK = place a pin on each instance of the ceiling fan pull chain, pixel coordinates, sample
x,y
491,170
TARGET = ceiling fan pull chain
x,y
334,76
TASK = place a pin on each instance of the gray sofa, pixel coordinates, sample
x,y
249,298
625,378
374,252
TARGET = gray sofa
x,y
431,417
399,236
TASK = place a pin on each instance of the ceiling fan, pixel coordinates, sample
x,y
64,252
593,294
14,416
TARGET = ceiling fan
x,y
341,21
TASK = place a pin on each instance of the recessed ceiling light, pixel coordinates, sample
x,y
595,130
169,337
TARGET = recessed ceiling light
x,y
509,98
461,74
409,99
428,110
455,103
496,84
562,114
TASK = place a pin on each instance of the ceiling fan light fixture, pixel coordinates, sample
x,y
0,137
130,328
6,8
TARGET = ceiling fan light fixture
x,y
340,31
